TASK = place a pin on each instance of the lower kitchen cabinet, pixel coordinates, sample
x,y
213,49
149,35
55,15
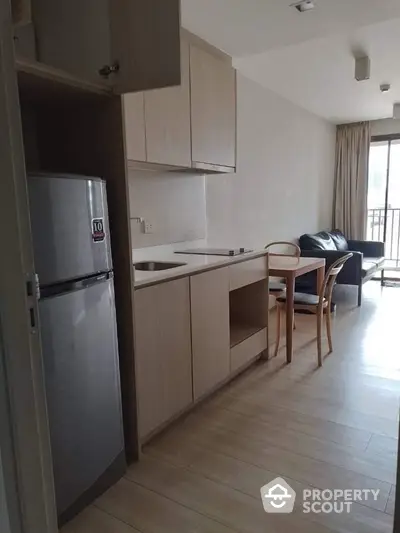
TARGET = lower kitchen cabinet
x,y
163,353
210,330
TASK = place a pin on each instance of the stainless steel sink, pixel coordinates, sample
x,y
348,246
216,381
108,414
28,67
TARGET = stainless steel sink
x,y
153,266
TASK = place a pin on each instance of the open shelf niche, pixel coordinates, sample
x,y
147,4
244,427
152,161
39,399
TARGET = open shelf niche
x,y
248,308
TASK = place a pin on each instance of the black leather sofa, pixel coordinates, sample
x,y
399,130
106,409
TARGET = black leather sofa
x,y
368,257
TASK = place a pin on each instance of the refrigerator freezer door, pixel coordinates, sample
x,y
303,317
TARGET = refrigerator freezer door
x,y
80,355
69,220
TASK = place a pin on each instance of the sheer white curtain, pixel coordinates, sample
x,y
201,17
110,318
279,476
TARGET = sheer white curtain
x,y
351,179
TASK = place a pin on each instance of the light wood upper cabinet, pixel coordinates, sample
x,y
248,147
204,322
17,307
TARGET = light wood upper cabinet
x,y
85,37
192,126
210,329
135,134
167,113
213,101
163,353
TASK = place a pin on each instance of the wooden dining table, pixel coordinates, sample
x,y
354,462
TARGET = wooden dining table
x,y
290,268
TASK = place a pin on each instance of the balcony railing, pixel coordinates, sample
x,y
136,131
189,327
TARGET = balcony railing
x,y
376,231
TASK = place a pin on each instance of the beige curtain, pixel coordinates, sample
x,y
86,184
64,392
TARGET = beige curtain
x,y
351,179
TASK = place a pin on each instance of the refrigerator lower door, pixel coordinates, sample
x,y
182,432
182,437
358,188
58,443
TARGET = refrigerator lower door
x,y
69,219
83,388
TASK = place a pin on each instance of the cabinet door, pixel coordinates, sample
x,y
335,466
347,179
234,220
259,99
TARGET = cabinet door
x,y
73,35
135,136
213,86
145,42
163,353
210,329
167,113
83,36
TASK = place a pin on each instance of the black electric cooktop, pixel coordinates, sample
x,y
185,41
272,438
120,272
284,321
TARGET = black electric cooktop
x,y
215,251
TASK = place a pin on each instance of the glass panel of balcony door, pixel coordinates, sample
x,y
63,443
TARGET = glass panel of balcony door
x,y
377,185
393,213
383,221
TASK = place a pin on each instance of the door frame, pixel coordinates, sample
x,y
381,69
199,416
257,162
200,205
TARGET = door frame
x,y
10,520
31,477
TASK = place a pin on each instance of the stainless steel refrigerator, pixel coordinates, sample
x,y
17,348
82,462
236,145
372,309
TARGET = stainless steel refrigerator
x,y
72,253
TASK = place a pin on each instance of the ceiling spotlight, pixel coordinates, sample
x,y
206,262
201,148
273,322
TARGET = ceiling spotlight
x,y
385,87
304,5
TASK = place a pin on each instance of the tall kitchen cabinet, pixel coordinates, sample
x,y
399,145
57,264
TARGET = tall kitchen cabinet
x,y
59,113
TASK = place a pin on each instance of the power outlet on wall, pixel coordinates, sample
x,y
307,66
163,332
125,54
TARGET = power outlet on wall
x,y
147,227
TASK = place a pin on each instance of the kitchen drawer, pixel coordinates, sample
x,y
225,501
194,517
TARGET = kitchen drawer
x,y
248,350
247,272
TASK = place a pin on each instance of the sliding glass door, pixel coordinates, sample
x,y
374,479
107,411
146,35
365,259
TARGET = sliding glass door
x,y
383,223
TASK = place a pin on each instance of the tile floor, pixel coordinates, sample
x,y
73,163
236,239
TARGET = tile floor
x,y
329,428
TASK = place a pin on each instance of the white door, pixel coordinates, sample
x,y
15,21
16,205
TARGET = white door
x,y
21,355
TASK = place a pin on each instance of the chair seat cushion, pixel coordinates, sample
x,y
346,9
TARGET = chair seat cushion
x,y
301,298
277,286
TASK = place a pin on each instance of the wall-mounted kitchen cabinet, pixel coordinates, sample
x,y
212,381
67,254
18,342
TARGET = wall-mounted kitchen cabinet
x,y
167,118
213,110
127,45
192,126
135,134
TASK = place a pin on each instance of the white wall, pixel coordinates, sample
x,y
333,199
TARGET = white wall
x,y
386,126
173,202
284,183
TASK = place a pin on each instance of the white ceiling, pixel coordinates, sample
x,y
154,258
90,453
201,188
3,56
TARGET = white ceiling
x,y
308,58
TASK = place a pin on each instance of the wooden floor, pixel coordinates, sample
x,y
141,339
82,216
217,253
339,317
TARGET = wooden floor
x,y
331,428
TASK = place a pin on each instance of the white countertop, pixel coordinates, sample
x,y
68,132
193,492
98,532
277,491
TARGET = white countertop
x,y
193,263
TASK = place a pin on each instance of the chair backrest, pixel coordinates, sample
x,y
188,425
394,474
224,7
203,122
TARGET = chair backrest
x,y
330,278
295,247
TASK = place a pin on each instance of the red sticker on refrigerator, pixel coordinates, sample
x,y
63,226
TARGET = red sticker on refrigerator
x,y
98,233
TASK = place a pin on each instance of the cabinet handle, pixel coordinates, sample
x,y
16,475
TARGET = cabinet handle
x,y
109,69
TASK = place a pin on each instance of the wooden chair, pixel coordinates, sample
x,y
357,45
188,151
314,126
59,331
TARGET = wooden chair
x,y
315,304
277,287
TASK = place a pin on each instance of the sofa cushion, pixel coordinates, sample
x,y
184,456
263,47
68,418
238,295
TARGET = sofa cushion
x,y
368,268
319,241
340,240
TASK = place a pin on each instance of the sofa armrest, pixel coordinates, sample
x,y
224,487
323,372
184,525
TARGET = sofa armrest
x,y
351,273
368,248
